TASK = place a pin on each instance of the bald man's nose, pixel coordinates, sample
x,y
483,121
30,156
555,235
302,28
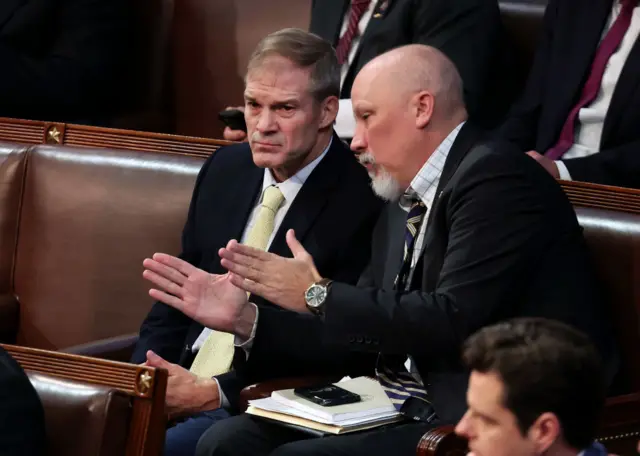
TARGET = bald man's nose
x,y
358,144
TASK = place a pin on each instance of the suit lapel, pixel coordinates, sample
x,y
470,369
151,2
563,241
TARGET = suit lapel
x,y
7,8
241,198
396,221
380,12
332,15
467,138
623,95
230,213
310,200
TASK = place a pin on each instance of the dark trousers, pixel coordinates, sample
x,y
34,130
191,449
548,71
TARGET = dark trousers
x,y
245,435
181,439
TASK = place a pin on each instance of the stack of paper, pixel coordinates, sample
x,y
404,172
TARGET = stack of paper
x,y
375,409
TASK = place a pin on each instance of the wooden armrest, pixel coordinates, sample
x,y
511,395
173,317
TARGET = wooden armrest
x,y
264,389
145,386
9,318
621,409
442,441
119,348
620,428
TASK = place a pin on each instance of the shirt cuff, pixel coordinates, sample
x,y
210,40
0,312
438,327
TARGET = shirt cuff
x,y
562,170
247,344
345,126
224,402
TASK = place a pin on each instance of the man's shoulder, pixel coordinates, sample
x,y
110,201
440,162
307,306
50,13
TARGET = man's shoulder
x,y
237,153
494,153
12,377
8,365
493,160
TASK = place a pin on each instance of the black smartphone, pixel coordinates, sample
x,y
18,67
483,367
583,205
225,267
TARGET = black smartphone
x,y
233,118
327,395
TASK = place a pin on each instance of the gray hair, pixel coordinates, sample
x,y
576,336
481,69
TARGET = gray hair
x,y
305,50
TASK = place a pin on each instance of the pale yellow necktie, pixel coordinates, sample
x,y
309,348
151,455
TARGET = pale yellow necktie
x,y
216,354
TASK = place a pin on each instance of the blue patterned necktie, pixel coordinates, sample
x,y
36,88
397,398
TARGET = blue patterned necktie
x,y
412,228
398,383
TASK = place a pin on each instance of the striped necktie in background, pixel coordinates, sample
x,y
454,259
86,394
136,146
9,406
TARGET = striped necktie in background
x,y
358,7
591,88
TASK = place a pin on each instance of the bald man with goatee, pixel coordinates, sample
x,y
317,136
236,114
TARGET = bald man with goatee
x,y
472,234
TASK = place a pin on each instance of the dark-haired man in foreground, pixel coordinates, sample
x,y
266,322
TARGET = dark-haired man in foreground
x,y
537,387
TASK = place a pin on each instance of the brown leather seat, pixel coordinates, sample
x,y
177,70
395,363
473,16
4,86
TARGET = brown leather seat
x,y
95,407
88,219
83,419
12,166
523,23
614,243
84,219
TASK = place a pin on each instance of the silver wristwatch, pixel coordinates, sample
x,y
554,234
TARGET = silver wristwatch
x,y
316,296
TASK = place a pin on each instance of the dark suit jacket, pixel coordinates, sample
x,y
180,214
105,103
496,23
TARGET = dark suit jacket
x,y
63,59
333,216
22,430
469,32
570,37
502,241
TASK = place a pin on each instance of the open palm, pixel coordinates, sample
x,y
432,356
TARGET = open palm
x,y
210,299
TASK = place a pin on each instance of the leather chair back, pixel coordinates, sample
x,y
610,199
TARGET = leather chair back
x,y
83,419
614,242
12,166
89,217
212,41
95,407
523,23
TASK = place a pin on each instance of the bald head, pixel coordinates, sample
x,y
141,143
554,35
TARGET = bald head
x,y
409,69
405,102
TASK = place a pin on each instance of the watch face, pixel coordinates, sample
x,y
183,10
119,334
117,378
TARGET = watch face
x,y
316,295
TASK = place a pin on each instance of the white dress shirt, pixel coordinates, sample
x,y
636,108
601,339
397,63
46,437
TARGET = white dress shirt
x,y
588,132
424,186
345,125
290,189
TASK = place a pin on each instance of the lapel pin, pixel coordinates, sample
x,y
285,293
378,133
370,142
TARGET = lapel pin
x,y
381,9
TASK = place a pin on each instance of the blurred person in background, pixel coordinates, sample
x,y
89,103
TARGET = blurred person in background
x,y
469,32
64,60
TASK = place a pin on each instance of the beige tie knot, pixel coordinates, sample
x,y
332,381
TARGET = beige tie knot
x,y
264,224
272,198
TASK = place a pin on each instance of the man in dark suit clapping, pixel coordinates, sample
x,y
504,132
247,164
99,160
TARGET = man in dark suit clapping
x,y
64,60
